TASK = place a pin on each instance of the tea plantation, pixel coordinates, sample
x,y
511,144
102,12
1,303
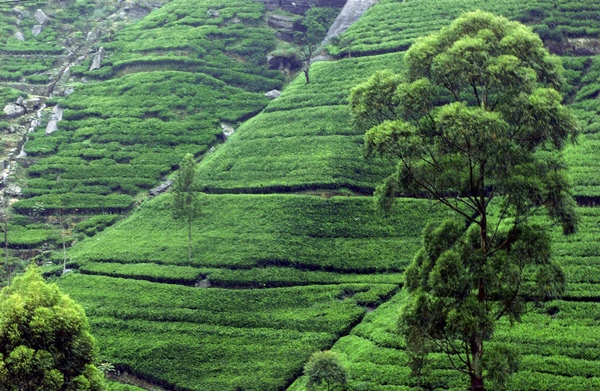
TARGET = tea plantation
x,y
162,99
290,255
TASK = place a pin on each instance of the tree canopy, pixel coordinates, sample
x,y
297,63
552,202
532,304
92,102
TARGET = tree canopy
x,y
315,23
186,204
325,371
45,342
476,122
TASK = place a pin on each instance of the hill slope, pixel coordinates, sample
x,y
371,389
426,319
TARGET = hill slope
x,y
290,273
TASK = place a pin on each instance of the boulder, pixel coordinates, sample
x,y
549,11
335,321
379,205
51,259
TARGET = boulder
x,y
227,130
273,94
41,17
51,127
13,111
18,12
36,30
137,12
19,35
12,190
55,118
160,188
33,104
213,13
97,60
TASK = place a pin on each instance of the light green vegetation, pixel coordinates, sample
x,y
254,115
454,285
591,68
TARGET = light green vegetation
x,y
223,40
121,136
114,386
249,241
583,157
557,343
303,140
393,25
8,95
255,339
246,231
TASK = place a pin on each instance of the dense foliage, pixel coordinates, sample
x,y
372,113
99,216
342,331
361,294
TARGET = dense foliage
x,y
45,342
476,123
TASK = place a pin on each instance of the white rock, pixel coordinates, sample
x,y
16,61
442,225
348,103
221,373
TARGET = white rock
x,y
19,35
13,111
227,130
36,30
41,17
273,94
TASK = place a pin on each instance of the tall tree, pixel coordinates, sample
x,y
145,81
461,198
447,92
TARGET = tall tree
x,y
45,343
315,23
186,202
475,123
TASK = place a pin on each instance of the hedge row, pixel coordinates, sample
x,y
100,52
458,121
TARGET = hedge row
x,y
245,231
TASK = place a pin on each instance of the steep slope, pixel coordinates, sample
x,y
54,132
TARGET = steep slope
x,y
294,273
174,76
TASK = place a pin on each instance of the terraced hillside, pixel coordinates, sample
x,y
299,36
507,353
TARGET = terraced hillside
x,y
290,256
173,78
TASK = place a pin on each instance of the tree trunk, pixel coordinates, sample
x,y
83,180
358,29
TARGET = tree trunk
x,y
189,237
6,244
306,74
476,383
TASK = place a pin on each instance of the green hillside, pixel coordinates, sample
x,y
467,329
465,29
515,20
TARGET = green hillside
x,y
290,255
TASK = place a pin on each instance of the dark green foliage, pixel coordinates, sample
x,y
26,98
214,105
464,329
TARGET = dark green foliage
x,y
476,123
186,202
95,224
324,370
315,23
176,75
45,341
393,25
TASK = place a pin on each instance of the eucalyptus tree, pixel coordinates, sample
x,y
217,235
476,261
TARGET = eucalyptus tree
x,y
476,123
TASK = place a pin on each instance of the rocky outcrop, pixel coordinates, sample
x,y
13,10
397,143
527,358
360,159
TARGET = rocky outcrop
x,y
97,60
41,17
13,111
574,46
284,25
273,94
55,118
301,6
228,130
283,63
19,35
351,12
36,30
